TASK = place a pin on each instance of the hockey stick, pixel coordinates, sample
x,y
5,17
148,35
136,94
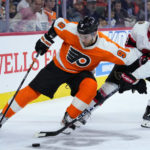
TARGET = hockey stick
x,y
19,88
54,133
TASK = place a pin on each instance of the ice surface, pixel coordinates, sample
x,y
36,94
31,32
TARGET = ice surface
x,y
113,126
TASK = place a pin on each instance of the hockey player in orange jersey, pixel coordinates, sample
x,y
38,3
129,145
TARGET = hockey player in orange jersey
x,y
82,50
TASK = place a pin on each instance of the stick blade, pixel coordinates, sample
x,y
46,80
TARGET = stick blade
x,y
40,135
45,134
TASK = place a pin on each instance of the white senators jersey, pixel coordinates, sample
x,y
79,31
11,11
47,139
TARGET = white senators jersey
x,y
140,36
73,57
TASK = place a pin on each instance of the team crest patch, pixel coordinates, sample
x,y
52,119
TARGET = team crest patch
x,y
77,57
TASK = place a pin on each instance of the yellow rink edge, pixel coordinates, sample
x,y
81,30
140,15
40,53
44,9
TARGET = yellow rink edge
x,y
63,91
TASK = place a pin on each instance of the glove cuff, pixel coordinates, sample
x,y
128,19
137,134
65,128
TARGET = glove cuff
x,y
46,42
128,78
48,38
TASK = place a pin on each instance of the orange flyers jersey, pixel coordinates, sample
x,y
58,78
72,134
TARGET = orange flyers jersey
x,y
73,57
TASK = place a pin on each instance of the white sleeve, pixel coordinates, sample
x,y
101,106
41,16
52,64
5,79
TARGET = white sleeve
x,y
140,34
143,71
142,42
132,56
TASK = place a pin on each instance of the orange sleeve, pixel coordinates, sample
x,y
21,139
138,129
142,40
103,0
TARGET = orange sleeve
x,y
111,58
65,29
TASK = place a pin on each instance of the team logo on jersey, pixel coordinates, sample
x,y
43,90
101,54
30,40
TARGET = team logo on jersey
x,y
77,57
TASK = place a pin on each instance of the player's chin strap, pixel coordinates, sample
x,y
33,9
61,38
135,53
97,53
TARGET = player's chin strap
x,y
85,112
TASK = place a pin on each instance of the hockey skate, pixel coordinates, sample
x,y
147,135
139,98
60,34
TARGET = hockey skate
x,y
76,125
3,121
146,118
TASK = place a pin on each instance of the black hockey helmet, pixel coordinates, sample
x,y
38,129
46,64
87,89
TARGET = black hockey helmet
x,y
87,25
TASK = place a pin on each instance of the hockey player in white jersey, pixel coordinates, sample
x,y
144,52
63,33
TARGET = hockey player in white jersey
x,y
139,38
141,34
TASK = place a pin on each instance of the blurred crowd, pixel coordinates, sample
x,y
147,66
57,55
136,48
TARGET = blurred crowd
x,y
124,13
29,15
38,15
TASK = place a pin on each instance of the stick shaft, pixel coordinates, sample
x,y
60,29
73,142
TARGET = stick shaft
x,y
19,87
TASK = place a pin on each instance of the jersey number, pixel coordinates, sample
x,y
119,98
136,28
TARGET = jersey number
x,y
121,53
61,25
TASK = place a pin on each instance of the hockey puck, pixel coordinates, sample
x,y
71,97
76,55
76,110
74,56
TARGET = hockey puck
x,y
36,145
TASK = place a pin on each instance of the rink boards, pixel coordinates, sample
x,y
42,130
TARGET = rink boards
x,y
17,53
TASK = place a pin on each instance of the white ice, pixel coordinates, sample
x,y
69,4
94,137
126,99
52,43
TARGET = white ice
x,y
113,126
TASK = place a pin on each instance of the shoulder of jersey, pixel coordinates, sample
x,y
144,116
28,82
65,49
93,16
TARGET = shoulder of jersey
x,y
102,36
64,24
141,23
141,26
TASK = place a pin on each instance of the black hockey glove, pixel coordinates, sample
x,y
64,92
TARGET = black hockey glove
x,y
140,87
126,82
41,47
43,44
129,82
